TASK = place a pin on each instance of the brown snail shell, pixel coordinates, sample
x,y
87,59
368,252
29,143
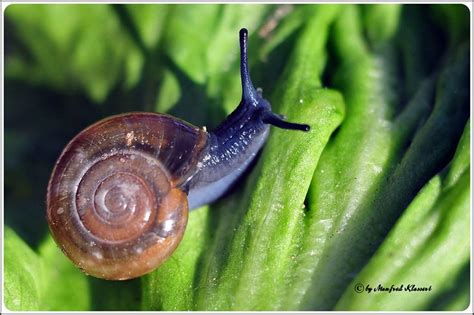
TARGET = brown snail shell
x,y
116,201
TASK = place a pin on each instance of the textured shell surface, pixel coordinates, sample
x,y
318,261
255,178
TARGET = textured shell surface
x,y
115,202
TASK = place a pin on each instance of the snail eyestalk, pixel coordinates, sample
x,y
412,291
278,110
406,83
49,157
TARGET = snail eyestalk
x,y
277,121
248,90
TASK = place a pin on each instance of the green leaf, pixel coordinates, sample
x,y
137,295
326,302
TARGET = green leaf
x,y
41,281
222,48
356,195
187,46
462,157
69,48
23,282
169,92
66,286
304,69
263,249
457,294
253,268
381,21
454,20
150,21
420,47
231,89
352,165
428,247
115,295
433,144
289,24
171,287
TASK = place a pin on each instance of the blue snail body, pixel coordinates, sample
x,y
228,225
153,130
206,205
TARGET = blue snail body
x,y
236,141
230,153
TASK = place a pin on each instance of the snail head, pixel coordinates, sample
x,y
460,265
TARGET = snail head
x,y
252,98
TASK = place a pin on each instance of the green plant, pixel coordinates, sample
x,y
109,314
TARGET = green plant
x,y
376,193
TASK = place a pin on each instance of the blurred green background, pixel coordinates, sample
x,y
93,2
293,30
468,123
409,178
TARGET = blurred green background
x,y
385,88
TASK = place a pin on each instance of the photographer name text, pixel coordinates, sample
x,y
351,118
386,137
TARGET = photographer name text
x,y
359,288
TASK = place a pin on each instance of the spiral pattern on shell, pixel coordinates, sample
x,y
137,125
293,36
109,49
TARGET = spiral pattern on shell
x,y
115,201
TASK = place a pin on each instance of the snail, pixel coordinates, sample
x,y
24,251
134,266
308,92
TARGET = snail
x,y
119,194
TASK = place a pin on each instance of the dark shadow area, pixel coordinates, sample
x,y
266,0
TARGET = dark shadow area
x,y
264,74
115,295
422,43
38,124
458,288
194,104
